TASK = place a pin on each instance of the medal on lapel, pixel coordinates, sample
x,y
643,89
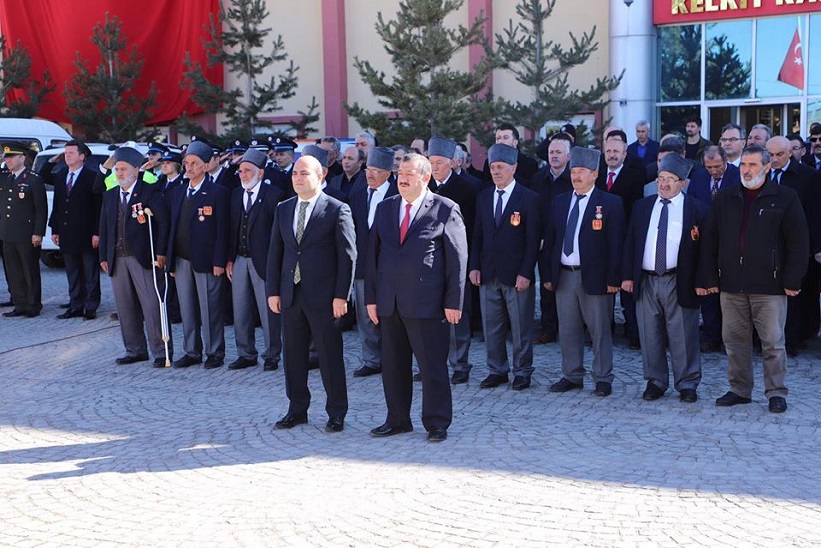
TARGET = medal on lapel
x,y
201,217
207,210
694,234
597,220
134,211
140,213
21,195
515,219
21,190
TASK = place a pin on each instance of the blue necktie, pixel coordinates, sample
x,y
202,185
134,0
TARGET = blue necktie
x,y
572,222
497,214
125,198
661,239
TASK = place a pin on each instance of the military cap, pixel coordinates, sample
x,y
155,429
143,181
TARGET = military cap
x,y
157,148
381,158
259,143
439,146
584,157
501,152
237,146
13,149
281,143
254,156
171,156
201,150
675,164
570,129
129,155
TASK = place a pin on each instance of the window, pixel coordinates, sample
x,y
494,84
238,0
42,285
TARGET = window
x,y
680,63
728,59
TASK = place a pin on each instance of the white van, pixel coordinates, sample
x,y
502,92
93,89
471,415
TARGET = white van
x,y
35,134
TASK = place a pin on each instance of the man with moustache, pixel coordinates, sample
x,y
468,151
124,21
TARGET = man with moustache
x,y
252,214
695,144
754,252
363,203
414,288
125,255
733,138
308,281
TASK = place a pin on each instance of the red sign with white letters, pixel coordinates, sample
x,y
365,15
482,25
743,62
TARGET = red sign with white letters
x,y
677,12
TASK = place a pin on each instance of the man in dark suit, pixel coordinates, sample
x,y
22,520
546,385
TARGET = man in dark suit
x,y
363,203
310,269
704,185
22,226
507,134
75,227
197,255
352,176
659,267
581,261
627,183
446,183
644,148
125,255
505,246
414,288
252,214
813,157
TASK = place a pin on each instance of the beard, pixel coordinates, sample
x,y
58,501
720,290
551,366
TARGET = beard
x,y
755,182
250,184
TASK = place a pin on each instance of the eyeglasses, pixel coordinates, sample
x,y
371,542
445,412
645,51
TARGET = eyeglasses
x,y
815,139
668,180
729,139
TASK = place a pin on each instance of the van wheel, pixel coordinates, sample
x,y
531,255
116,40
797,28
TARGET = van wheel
x,y
52,259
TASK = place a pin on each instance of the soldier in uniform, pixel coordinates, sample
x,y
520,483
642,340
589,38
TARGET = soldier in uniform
x,y
22,226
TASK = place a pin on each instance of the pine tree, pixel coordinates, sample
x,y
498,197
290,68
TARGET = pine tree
x,y
237,40
102,103
544,65
726,76
426,97
15,74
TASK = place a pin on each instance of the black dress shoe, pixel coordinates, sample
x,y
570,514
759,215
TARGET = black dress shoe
x,y
271,364
240,363
366,371
66,305
417,377
652,392
313,361
212,362
387,430
493,380
70,314
437,433
565,385
125,360
90,315
688,395
290,420
12,314
730,399
335,424
160,363
777,404
187,361
459,377
603,389
520,383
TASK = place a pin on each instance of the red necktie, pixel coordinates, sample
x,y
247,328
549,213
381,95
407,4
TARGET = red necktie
x,y
610,177
403,228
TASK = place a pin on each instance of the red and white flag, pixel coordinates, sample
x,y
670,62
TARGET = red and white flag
x,y
792,69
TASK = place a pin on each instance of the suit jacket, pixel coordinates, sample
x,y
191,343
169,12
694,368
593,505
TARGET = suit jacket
x,y
511,249
693,221
548,188
810,160
260,220
628,185
209,237
425,274
136,233
463,193
801,178
227,177
359,210
326,253
280,179
701,182
26,207
344,186
75,217
166,187
600,250
652,154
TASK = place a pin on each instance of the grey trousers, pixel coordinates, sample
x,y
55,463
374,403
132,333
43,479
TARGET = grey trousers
x,y
136,302
248,290
503,307
369,333
768,314
200,295
460,335
577,309
664,324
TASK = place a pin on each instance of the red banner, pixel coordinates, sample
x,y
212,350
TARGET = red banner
x,y
54,31
678,12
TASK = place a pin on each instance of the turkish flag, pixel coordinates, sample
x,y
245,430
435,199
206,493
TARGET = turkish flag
x,y
792,69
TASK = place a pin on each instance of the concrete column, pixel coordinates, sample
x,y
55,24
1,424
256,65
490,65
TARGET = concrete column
x,y
633,49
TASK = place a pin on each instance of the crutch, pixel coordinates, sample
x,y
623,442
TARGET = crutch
x,y
163,310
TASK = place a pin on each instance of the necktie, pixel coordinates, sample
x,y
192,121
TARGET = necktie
x,y
370,197
610,176
777,176
70,183
403,228
190,192
249,201
661,239
125,198
572,222
300,230
497,214
714,188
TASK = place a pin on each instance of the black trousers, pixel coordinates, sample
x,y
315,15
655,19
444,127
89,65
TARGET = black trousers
x,y
428,340
299,323
23,267
83,273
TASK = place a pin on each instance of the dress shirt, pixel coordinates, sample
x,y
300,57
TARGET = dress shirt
x,y
254,195
308,211
507,191
415,205
615,173
378,196
574,259
441,183
128,191
675,222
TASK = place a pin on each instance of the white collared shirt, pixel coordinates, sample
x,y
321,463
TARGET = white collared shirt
x,y
505,196
254,195
377,196
127,191
76,175
574,259
311,205
415,205
615,173
442,183
675,225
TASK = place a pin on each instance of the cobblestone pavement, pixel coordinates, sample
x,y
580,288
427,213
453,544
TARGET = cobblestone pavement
x,y
94,454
